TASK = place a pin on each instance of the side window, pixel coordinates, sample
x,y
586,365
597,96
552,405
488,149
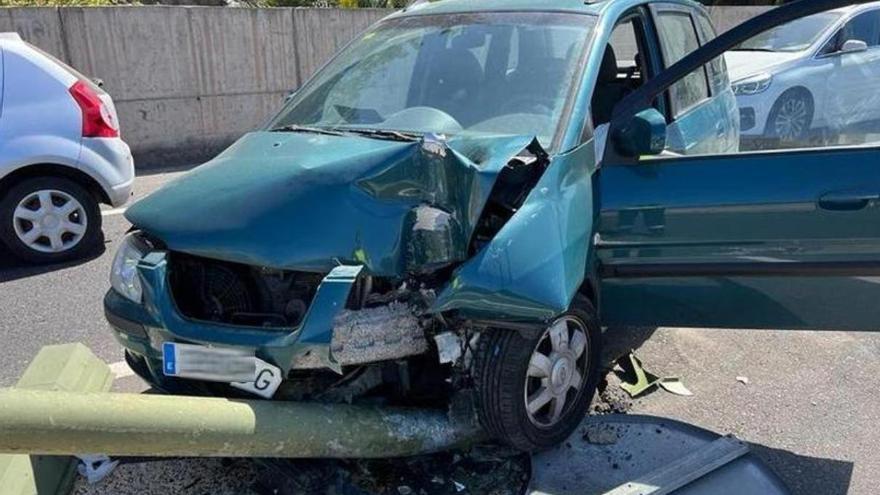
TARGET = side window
x,y
864,27
623,69
678,38
718,78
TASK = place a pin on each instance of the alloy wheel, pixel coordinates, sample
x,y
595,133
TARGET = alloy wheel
x,y
557,371
792,119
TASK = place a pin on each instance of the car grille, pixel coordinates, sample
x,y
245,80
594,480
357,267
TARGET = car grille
x,y
233,293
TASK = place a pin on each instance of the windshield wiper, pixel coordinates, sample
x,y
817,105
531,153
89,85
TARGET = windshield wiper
x,y
741,49
384,134
312,130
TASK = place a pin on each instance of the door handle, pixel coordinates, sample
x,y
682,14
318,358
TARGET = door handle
x,y
847,200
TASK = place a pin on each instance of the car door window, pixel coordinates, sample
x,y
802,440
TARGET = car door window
x,y
678,38
718,78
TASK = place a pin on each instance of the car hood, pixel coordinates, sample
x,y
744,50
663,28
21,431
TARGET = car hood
x,y
743,64
294,200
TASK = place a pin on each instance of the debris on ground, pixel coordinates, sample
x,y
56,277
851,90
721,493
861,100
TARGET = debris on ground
x,y
95,468
636,380
610,398
485,469
600,434
743,379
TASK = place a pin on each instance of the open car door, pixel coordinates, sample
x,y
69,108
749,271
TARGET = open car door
x,y
775,238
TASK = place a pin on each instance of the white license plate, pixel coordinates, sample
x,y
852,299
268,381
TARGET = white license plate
x,y
215,364
239,368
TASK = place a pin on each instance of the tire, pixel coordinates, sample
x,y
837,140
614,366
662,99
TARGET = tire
x,y
71,229
791,117
502,374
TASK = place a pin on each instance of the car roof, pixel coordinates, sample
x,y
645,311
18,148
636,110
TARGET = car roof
x,y
596,7
461,6
10,37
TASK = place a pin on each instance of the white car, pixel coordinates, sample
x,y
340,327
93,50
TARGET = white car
x,y
60,156
811,80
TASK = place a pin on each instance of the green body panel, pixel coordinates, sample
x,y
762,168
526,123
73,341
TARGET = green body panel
x,y
763,211
536,263
309,202
317,328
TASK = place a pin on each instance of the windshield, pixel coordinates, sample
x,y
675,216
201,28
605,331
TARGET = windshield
x,y
492,73
792,37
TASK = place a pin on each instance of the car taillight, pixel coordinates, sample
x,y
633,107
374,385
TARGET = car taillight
x,y
97,118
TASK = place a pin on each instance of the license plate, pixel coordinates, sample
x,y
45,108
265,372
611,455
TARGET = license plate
x,y
240,369
214,364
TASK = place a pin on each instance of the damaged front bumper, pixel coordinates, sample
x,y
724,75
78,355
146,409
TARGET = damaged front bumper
x,y
329,336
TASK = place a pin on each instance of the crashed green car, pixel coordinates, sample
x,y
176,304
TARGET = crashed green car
x,y
426,222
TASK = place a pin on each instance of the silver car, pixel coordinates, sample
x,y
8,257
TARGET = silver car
x,y
61,156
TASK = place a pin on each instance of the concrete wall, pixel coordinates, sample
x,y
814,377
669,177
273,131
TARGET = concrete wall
x,y
187,81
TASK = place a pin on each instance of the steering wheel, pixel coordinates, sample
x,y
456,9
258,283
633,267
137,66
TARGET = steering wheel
x,y
528,104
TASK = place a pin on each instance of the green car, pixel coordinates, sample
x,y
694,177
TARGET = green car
x,y
453,208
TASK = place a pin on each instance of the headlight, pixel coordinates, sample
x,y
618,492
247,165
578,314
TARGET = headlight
x,y
124,276
753,85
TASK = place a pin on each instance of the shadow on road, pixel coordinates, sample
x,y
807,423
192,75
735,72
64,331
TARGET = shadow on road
x,y
806,475
11,268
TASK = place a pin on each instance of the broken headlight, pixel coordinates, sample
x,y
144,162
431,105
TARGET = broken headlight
x,y
124,276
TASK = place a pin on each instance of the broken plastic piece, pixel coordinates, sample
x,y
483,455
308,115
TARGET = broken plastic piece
x,y
448,347
316,333
95,467
645,380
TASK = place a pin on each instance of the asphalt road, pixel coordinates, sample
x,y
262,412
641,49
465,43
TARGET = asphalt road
x,y
62,303
809,408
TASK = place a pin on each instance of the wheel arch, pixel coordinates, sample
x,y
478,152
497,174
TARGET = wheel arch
x,y
55,170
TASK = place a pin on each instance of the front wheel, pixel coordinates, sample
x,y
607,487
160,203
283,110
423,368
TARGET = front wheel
x,y
791,117
534,391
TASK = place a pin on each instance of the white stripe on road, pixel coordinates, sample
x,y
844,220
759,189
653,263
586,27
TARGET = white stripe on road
x,y
114,211
121,370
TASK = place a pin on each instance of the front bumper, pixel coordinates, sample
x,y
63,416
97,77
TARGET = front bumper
x,y
143,328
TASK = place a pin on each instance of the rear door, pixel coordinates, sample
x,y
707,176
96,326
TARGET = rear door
x,y
769,239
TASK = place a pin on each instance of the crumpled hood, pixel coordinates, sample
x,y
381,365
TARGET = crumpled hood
x,y
743,64
310,202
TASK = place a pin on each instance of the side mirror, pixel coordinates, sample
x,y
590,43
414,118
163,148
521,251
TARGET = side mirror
x,y
853,46
644,134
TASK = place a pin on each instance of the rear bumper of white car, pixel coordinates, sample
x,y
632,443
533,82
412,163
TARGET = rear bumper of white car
x,y
109,160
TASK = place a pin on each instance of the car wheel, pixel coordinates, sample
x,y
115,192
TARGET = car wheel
x,y
791,117
49,219
533,391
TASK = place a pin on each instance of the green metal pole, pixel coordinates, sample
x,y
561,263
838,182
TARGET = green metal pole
x,y
50,422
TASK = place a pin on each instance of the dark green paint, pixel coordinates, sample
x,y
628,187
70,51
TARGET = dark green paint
x,y
310,202
537,261
316,332
644,135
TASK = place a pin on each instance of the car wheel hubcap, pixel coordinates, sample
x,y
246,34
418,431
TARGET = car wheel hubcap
x,y
49,221
557,371
791,122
